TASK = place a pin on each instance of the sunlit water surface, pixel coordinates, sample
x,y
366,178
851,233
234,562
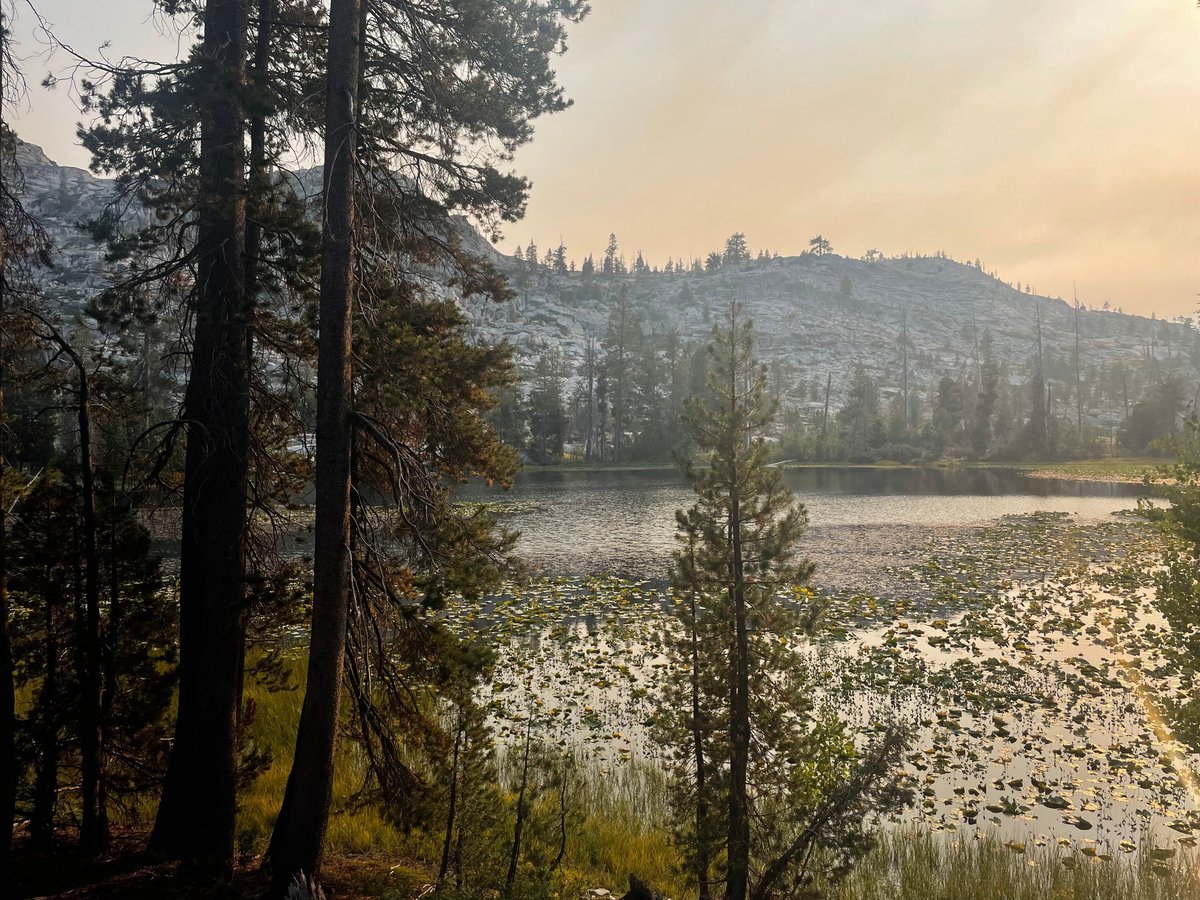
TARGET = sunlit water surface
x,y
623,522
997,637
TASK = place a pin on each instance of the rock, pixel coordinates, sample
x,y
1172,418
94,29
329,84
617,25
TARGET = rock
x,y
304,888
639,890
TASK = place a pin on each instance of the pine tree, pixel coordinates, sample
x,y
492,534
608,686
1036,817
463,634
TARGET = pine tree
x,y
985,403
610,256
860,425
547,417
745,720
196,813
402,139
750,528
736,251
621,345
298,841
820,246
25,246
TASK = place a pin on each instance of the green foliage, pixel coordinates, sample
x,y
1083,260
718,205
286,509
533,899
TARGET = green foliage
x,y
739,711
1154,417
138,635
911,865
1178,581
860,423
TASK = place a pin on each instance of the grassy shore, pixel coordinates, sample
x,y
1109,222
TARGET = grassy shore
x,y
618,826
1126,469
1123,469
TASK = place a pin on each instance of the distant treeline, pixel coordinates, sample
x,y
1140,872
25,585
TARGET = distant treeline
x,y
622,403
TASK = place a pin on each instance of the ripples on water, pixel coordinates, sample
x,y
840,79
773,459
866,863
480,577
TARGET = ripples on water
x,y
861,520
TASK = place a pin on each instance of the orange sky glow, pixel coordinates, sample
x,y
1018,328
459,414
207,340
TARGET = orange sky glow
x,y
1057,141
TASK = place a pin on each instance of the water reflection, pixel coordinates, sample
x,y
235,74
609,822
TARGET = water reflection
x,y
623,522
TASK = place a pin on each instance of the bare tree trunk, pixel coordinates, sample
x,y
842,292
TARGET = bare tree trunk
x,y
112,634
93,831
904,345
562,820
1125,393
588,450
298,842
519,826
93,838
1078,380
452,811
195,818
45,786
825,416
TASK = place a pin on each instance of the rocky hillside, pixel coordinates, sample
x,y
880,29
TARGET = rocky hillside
x,y
818,315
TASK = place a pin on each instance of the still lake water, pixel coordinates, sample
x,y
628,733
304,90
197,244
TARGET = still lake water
x,y
861,519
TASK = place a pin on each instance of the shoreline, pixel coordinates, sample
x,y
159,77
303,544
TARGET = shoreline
x,y
1112,470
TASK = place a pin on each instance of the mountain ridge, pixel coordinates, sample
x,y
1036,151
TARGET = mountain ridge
x,y
819,315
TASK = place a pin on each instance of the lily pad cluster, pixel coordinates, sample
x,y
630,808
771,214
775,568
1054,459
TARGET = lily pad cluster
x,y
1027,656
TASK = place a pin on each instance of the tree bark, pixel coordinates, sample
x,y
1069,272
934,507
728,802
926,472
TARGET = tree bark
x,y
703,855
112,635
93,825
45,787
452,809
93,837
8,702
514,857
258,175
297,844
196,813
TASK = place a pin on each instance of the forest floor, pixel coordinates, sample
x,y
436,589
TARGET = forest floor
x,y
128,873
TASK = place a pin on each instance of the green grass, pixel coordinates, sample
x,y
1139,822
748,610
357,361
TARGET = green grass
x,y
1121,468
1117,468
617,826
354,829
912,865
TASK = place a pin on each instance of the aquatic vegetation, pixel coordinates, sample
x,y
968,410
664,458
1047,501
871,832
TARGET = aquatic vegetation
x,y
1027,654
909,864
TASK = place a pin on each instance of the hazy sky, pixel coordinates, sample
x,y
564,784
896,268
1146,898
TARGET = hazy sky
x,y
1057,140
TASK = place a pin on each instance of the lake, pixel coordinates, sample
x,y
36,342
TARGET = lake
x,y
622,522
1008,621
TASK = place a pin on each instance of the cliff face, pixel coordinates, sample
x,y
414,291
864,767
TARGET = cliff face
x,y
825,315
817,315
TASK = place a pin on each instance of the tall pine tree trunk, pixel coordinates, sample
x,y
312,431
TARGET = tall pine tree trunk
x,y
703,853
112,635
196,813
452,806
93,836
45,785
8,707
738,876
89,651
297,844
738,872
258,178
